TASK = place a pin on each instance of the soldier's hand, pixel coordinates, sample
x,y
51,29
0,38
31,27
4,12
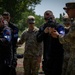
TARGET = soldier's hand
x,y
46,30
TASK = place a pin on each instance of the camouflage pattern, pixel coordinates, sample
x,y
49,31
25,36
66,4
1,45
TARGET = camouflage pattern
x,y
33,50
70,38
31,63
66,47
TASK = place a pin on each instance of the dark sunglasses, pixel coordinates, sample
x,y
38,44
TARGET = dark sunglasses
x,y
45,18
47,14
31,23
31,19
66,20
48,18
5,17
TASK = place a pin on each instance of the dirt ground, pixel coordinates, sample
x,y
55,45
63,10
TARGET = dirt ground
x,y
19,68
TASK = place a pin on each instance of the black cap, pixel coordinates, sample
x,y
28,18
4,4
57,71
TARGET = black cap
x,y
69,5
6,13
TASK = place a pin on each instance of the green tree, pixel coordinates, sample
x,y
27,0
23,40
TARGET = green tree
x,y
39,20
17,7
60,17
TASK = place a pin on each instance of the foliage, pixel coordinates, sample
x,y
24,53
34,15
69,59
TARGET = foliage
x,y
20,10
39,20
60,19
17,7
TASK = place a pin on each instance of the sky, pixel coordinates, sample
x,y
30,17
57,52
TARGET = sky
x,y
54,5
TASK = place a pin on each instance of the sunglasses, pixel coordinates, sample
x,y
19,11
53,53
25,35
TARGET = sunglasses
x,y
65,20
47,14
48,18
31,23
6,17
45,18
31,19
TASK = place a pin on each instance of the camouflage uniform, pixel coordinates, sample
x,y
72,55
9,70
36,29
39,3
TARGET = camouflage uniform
x,y
70,38
33,50
66,47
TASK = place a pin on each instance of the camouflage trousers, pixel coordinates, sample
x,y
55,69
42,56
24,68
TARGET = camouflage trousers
x,y
31,66
65,62
71,67
70,70
65,65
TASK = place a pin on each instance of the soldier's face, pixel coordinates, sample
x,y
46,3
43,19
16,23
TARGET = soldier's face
x,y
71,13
31,25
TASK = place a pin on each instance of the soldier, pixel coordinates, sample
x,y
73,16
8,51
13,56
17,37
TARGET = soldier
x,y
14,29
70,38
33,49
5,48
70,10
66,46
